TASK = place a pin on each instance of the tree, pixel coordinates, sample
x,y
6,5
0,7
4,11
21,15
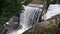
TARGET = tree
x,y
26,2
9,8
44,9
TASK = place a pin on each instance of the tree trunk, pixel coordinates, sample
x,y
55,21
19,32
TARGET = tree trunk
x,y
45,7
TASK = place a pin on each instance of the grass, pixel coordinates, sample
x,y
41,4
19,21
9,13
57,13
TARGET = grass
x,y
49,30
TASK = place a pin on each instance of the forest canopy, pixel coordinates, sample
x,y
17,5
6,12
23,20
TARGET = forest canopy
x,y
9,8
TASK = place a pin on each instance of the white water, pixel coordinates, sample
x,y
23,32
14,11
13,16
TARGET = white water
x,y
27,19
53,10
29,16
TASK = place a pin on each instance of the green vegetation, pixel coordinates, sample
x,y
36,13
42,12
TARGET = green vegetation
x,y
49,30
26,2
9,8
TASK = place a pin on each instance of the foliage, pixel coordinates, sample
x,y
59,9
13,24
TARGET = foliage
x,y
49,30
26,2
9,8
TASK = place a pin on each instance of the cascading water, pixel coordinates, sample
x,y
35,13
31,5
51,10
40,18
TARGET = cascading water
x,y
27,18
54,9
30,15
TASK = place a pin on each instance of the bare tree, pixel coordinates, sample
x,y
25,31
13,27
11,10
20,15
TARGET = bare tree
x,y
45,7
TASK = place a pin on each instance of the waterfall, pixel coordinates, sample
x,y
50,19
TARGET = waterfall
x,y
54,9
30,14
28,18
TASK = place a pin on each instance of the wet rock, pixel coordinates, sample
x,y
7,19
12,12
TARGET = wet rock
x,y
12,23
